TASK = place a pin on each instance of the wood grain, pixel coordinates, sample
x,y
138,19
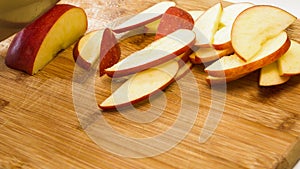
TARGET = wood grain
x,y
39,127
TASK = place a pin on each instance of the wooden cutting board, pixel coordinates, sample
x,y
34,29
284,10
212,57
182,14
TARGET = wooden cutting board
x,y
49,120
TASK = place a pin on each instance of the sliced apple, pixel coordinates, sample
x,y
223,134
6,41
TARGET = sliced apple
x,y
232,65
141,85
36,45
147,16
152,27
269,76
256,25
289,63
205,55
222,38
173,19
87,50
156,53
207,25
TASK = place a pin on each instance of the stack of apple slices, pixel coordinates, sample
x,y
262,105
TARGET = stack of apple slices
x,y
256,42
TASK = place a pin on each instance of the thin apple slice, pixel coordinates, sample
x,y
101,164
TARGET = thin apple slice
x,y
156,53
152,27
269,76
87,50
173,19
207,25
232,65
205,55
289,63
256,25
141,85
37,44
222,38
213,80
147,16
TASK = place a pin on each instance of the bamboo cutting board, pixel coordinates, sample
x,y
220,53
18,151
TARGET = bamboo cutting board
x,y
50,121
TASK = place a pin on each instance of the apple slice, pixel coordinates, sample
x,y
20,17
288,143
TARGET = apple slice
x,y
205,55
255,25
290,61
87,50
232,65
152,27
222,38
141,85
156,53
36,45
173,19
207,25
213,80
269,76
147,16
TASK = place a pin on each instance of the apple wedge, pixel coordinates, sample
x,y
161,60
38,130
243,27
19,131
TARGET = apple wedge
x,y
222,38
37,44
87,50
173,19
256,25
156,53
269,76
205,55
232,65
207,25
141,85
151,28
147,16
289,63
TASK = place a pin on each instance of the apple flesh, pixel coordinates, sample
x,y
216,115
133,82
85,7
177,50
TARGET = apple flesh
x,y
183,70
37,44
158,52
232,65
270,76
256,25
213,80
207,25
173,19
222,38
147,16
141,85
205,55
290,61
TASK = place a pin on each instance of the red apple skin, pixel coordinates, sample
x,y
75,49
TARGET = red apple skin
x,y
254,65
151,64
173,19
110,51
114,107
27,42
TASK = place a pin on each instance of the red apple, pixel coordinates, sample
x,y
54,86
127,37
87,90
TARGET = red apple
x,y
173,19
37,44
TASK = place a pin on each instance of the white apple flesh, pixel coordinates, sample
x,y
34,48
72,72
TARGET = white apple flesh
x,y
141,85
205,55
269,76
158,52
289,63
